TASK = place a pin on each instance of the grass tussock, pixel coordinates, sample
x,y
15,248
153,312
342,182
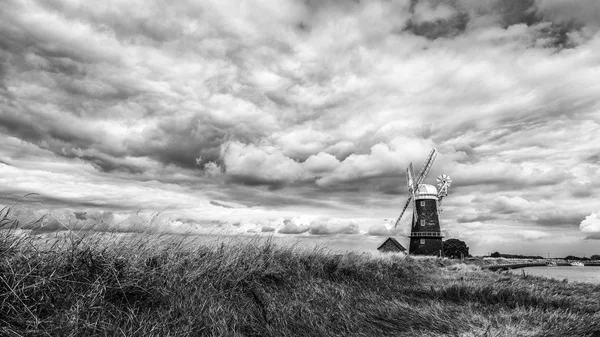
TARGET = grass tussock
x,y
141,285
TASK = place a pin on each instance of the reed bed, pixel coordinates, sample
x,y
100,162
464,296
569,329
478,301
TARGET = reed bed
x,y
110,284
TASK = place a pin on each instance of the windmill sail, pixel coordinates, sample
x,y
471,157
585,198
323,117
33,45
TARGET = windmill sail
x,y
403,210
414,181
410,179
443,182
411,182
426,166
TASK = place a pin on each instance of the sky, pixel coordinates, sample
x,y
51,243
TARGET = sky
x,y
298,118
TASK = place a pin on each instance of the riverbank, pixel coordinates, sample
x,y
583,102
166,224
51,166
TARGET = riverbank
x,y
147,285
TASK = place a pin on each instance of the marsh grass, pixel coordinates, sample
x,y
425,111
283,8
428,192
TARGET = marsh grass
x,y
91,284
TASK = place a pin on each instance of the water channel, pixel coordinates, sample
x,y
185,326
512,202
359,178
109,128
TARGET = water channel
x,y
571,273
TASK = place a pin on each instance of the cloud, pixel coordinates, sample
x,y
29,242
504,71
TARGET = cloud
x,y
294,226
436,19
321,164
557,218
531,235
333,226
298,108
386,229
379,230
582,13
66,219
505,204
220,204
594,236
378,162
253,165
591,224
267,229
249,164
467,218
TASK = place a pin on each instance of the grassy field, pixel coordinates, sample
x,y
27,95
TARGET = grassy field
x,y
145,285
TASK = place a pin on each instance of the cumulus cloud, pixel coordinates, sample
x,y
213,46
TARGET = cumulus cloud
x,y
320,226
385,229
252,165
294,226
591,224
267,229
379,230
334,226
66,219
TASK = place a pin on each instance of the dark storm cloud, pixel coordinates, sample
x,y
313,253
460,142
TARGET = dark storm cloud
x,y
106,163
64,139
73,75
271,184
516,11
447,27
579,13
181,142
435,19
26,127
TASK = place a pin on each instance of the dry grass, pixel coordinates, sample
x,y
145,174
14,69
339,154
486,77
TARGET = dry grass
x,y
142,285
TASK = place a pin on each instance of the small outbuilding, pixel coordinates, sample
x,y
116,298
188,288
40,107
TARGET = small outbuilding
x,y
391,245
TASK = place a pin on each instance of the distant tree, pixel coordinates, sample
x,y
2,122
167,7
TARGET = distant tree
x,y
514,256
455,249
595,257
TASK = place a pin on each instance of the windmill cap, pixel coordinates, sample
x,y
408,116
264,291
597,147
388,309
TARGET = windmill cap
x,y
426,191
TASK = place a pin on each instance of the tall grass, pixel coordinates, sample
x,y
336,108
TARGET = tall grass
x,y
142,285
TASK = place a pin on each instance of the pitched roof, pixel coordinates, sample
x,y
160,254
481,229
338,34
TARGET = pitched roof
x,y
395,242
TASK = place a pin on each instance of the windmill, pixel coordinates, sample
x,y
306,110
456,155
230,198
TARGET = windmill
x,y
425,236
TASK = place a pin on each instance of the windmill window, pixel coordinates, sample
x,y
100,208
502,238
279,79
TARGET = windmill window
x,y
422,203
422,222
422,241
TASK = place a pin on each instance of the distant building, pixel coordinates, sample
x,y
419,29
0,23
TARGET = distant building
x,y
425,234
391,245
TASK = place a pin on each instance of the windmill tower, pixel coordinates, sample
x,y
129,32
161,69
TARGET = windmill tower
x,y
425,234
